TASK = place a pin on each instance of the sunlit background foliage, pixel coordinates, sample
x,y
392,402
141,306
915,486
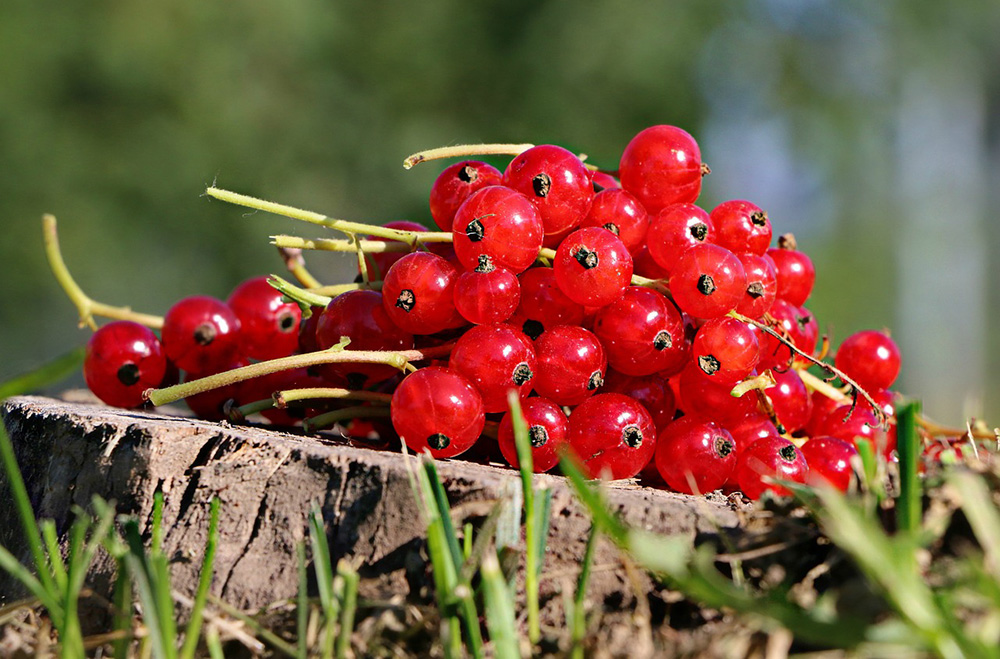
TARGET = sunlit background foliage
x,y
869,129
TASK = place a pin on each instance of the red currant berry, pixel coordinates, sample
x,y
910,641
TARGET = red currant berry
x,y
200,333
796,274
822,405
850,426
122,360
500,223
673,230
725,350
543,304
418,294
745,432
603,181
455,184
487,294
621,214
644,265
829,462
613,435
791,400
269,326
495,359
642,333
361,317
547,430
662,166
741,226
695,456
307,331
266,386
870,358
592,267
571,364
211,404
652,391
378,263
708,399
795,324
439,410
707,281
770,459
762,285
556,181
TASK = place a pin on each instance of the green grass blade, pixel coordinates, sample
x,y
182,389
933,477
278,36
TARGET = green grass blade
x,y
444,510
593,501
348,606
909,509
58,566
122,600
54,371
32,534
156,534
522,444
138,562
499,609
214,644
543,517
578,618
977,504
302,605
13,567
193,631
323,565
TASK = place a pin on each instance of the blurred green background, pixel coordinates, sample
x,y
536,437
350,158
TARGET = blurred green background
x,y
869,129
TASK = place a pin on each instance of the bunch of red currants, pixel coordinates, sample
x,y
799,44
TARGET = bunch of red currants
x,y
643,334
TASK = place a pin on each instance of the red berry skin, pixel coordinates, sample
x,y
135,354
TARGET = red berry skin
x,y
695,456
796,273
500,223
621,214
822,405
269,326
438,410
543,304
642,333
495,359
307,331
725,350
379,263
603,181
556,181
870,358
612,435
652,391
762,285
418,294
661,166
700,396
741,226
745,432
796,324
829,462
674,229
850,426
791,400
547,430
210,405
592,267
485,296
770,457
200,333
571,365
361,317
707,281
122,360
644,265
455,184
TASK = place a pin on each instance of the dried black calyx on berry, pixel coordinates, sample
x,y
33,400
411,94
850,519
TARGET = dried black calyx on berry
x,y
723,447
475,230
406,300
541,184
787,453
632,436
755,289
759,218
522,373
705,169
706,285
468,174
596,380
613,228
204,334
803,320
286,323
709,364
128,374
538,436
586,257
532,329
438,441
699,231
485,264
787,241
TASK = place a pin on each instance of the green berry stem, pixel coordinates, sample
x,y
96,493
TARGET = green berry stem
x,y
337,245
305,298
465,150
296,265
280,399
87,307
346,414
337,289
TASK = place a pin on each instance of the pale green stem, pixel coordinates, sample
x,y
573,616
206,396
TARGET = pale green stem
x,y
465,150
290,290
336,245
337,289
329,418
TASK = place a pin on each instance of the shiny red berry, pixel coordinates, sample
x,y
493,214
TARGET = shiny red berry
x,y
418,294
621,214
652,391
455,184
673,230
200,333
495,359
642,333
870,358
725,350
543,304
556,181
547,430
211,404
378,263
612,435
791,400
438,410
592,267
269,324
122,360
708,399
695,456
707,281
768,460
741,226
487,294
662,166
795,270
850,426
571,364
501,223
762,285
829,461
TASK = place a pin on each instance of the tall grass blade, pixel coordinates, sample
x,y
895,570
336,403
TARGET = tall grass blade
x,y
578,617
977,504
193,631
323,565
909,509
49,535
499,606
54,371
592,499
302,605
522,444
139,567
348,606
